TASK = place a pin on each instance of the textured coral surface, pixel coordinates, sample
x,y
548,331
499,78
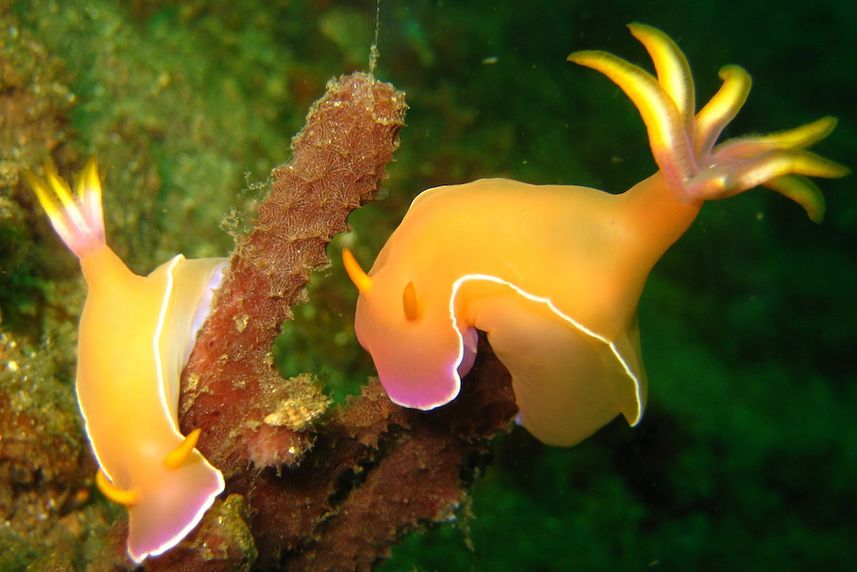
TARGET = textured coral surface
x,y
230,383
330,498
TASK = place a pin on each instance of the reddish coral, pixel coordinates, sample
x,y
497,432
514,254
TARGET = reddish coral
x,y
375,472
339,498
405,466
229,385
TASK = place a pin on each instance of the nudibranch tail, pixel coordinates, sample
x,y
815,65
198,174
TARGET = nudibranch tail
x,y
686,149
77,217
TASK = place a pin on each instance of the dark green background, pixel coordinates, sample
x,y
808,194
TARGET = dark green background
x,y
747,456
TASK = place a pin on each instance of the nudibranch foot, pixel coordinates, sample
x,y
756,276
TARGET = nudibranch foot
x,y
685,147
568,380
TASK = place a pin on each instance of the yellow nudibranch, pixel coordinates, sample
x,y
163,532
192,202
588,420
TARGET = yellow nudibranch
x,y
136,333
553,274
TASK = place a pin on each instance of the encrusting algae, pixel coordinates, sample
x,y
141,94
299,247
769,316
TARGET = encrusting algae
x,y
45,470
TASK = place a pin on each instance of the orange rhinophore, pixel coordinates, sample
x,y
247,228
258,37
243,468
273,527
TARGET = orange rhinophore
x,y
553,274
136,333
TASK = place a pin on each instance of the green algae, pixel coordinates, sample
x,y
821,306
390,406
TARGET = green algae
x,y
35,101
45,465
163,121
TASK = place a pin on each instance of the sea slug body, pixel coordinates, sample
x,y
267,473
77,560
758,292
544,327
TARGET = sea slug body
x,y
135,336
553,274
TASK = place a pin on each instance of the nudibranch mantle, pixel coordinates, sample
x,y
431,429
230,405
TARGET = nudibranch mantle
x,y
136,333
559,419
553,274
513,296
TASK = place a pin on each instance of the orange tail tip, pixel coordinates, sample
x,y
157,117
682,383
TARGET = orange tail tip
x,y
77,217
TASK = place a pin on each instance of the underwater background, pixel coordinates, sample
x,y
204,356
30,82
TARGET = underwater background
x,y
747,455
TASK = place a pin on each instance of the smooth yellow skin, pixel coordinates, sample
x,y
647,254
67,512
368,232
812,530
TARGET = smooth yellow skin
x,y
553,274
135,333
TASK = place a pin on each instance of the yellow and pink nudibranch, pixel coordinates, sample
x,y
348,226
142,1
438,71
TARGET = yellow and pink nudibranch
x,y
553,274
136,333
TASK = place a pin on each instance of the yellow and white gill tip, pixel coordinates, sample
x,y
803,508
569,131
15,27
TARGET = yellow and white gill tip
x,y
671,67
668,136
76,217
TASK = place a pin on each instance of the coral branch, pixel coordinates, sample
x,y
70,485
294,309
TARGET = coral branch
x,y
229,386
406,467
376,471
332,500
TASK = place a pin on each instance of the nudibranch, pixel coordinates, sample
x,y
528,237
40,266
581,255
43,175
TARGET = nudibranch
x,y
136,333
553,274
